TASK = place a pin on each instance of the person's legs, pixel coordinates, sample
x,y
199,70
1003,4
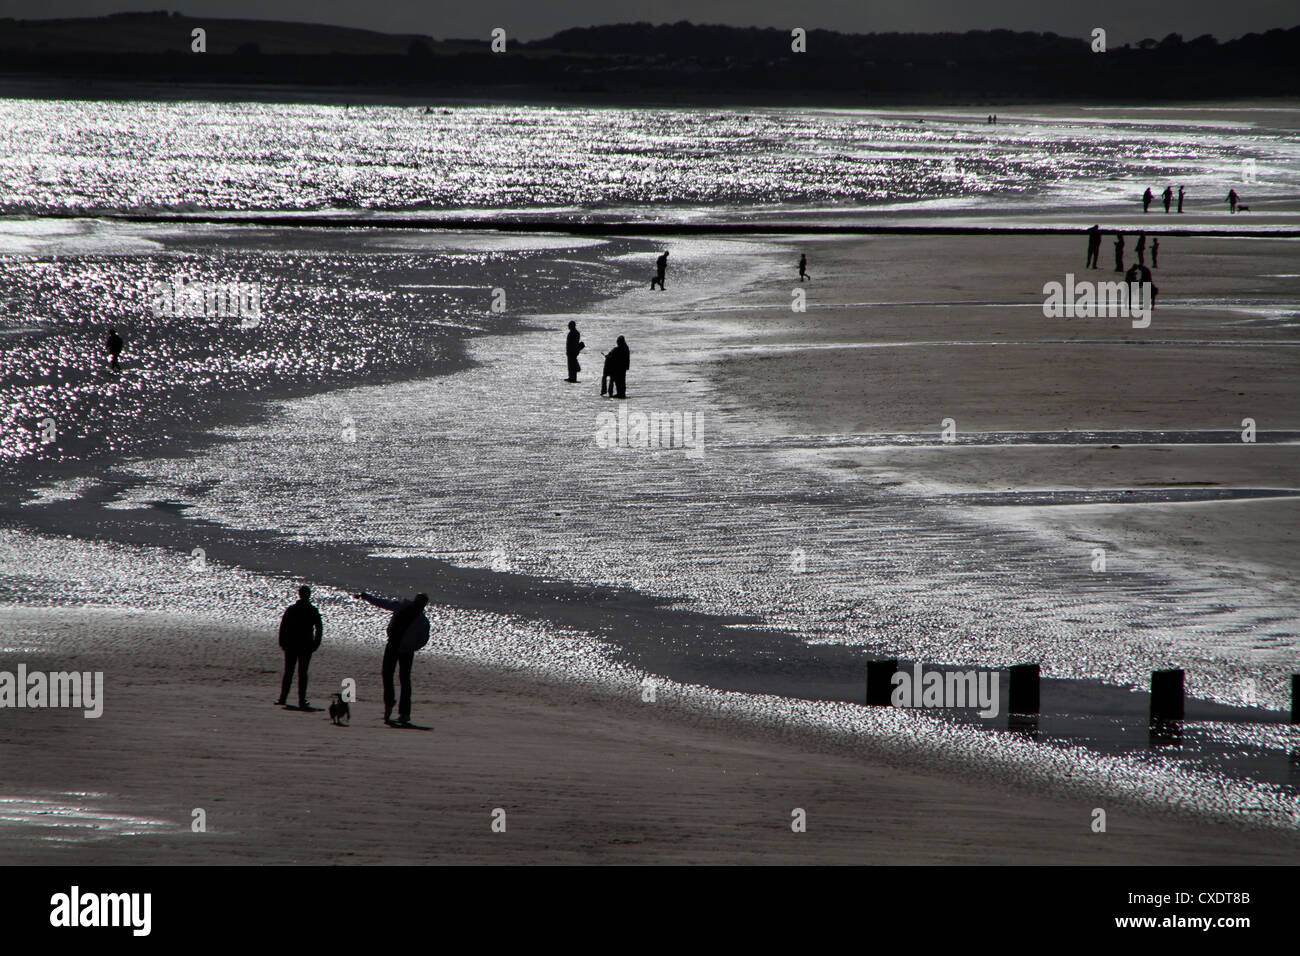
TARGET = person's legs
x,y
390,664
304,660
290,659
404,708
619,383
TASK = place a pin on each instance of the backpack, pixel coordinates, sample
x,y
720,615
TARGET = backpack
x,y
401,623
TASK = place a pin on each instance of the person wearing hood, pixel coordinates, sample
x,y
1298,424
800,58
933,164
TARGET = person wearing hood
x,y
408,631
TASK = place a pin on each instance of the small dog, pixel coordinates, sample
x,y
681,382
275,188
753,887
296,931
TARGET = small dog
x,y
339,710
1241,208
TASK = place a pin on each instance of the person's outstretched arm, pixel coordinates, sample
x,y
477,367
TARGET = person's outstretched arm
x,y
386,604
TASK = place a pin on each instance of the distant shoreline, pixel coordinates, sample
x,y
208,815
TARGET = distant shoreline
x,y
28,86
623,227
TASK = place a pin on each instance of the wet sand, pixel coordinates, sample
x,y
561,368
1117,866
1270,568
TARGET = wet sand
x,y
901,334
587,778
583,777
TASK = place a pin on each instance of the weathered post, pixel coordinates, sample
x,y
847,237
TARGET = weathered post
x,y
1167,695
879,688
1022,689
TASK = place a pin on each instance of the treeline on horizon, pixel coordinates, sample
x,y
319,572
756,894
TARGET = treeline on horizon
x,y
666,59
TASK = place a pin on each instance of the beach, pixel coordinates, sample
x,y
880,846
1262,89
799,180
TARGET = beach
x,y
583,778
653,649
588,771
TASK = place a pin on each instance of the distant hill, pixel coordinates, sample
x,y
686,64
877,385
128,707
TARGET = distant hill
x,y
643,61
163,32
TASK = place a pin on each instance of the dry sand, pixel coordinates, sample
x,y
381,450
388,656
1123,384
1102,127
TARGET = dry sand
x,y
583,778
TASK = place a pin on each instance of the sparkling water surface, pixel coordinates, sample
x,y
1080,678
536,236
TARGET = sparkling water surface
x,y
96,157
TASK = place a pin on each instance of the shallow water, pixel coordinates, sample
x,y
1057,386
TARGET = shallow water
x,y
95,157
198,342
500,467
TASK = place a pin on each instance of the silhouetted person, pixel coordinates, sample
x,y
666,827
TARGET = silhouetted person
x,y
1180,198
617,362
408,631
1232,200
606,375
1094,246
661,270
1146,199
1155,253
113,344
995,119
1141,274
300,635
1168,197
803,268
1141,248
1119,252
572,346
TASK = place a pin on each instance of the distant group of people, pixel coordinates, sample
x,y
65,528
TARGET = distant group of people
x,y
301,632
1167,197
1138,271
1094,249
992,119
613,377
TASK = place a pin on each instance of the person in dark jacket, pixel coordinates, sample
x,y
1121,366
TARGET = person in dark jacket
x,y
1140,276
300,636
661,270
408,631
1167,196
606,375
1094,246
572,346
1146,199
1119,252
617,362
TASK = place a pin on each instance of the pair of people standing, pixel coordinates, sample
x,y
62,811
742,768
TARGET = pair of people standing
x,y
301,630
613,378
1140,248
